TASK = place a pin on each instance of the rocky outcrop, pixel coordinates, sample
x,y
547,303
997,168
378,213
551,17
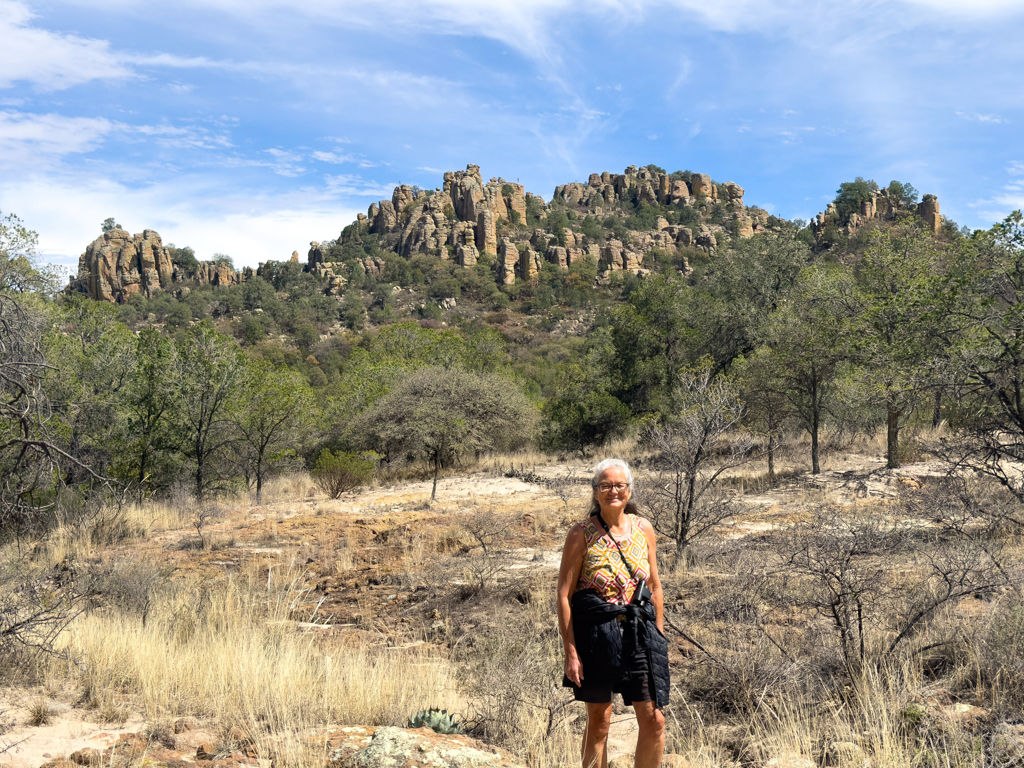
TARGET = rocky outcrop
x,y
880,207
465,212
117,265
467,220
508,260
928,209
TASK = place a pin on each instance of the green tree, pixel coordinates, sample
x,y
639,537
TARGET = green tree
x,y
850,196
984,298
19,271
904,192
34,459
768,409
898,329
583,412
145,442
210,370
443,414
109,224
805,346
273,419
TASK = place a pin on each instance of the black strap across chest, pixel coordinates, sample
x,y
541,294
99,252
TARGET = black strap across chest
x,y
632,573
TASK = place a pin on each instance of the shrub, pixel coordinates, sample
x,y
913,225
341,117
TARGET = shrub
x,y
336,473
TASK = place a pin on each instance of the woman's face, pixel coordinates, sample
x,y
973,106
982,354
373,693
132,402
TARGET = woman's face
x,y
612,492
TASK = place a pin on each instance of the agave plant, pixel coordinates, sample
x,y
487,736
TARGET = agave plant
x,y
438,720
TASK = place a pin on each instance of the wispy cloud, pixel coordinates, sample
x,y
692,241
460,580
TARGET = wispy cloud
x,y
357,186
28,140
50,61
980,118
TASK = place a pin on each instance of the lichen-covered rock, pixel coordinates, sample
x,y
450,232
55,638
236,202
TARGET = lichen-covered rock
x,y
400,748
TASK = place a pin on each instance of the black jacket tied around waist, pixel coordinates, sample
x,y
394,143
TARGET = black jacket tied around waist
x,y
605,643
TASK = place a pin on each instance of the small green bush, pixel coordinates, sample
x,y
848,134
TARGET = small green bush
x,y
336,473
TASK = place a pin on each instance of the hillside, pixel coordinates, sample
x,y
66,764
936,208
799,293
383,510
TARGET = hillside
x,y
641,220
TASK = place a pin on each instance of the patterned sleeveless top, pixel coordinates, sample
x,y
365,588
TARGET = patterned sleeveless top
x,y
603,569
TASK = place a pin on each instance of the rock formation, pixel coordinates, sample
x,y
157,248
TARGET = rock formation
x,y
881,207
461,221
117,265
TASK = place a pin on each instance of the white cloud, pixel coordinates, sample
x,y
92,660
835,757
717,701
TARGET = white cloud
x,y
980,118
28,140
67,211
49,60
1016,168
333,157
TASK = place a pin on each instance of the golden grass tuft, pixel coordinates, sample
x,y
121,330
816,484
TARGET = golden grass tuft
x,y
232,649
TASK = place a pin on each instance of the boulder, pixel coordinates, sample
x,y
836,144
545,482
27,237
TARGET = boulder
x,y
401,197
314,257
386,218
701,184
647,193
529,263
611,255
294,259
400,748
679,191
744,224
556,254
486,239
928,209
734,193
508,259
466,255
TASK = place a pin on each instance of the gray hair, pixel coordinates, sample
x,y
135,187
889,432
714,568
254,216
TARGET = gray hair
x,y
607,464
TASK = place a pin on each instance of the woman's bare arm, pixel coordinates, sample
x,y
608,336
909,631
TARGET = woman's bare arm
x,y
568,574
653,581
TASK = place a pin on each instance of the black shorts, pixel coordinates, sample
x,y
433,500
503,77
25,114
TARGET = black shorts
x,y
634,685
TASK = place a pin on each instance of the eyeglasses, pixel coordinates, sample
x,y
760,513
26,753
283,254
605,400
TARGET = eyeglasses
x,y
608,487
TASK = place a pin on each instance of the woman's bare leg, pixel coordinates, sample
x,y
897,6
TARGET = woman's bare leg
x,y
650,742
595,740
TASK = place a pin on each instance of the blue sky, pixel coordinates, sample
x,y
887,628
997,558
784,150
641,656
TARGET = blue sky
x,y
250,128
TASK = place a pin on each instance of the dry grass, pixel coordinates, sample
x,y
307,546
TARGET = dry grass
x,y
231,649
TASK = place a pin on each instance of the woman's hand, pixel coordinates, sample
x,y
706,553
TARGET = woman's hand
x,y
573,667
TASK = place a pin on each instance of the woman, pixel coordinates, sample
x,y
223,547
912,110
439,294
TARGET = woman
x,y
614,641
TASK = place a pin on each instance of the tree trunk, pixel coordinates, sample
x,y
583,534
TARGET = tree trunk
x,y
937,410
771,460
892,438
437,471
815,422
679,566
259,488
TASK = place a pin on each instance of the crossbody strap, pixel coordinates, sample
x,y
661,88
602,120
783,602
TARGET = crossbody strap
x,y
625,562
